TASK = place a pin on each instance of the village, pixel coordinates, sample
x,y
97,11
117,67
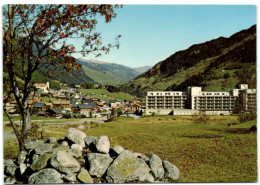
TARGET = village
x,y
73,103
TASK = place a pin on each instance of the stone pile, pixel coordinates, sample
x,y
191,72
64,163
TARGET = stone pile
x,y
78,158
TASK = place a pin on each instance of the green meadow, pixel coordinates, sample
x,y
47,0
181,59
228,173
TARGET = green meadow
x,y
223,150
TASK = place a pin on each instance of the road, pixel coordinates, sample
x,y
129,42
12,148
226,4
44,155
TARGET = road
x,y
64,121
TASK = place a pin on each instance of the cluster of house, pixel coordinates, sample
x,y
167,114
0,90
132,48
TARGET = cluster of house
x,y
70,101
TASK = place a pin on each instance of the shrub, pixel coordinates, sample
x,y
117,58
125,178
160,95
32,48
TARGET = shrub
x,y
246,116
200,118
67,116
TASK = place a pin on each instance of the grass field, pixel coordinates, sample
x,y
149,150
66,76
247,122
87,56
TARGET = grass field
x,y
213,152
98,93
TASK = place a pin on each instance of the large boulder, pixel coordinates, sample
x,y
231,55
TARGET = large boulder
x,y
146,178
45,176
126,168
33,144
84,176
10,180
41,162
40,149
156,166
98,163
64,162
171,171
76,136
61,147
101,145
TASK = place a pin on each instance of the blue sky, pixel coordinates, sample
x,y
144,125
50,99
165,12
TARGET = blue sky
x,y
151,33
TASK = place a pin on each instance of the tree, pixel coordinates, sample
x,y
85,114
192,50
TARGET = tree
x,y
36,38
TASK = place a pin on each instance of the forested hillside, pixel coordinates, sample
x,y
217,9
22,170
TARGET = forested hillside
x,y
219,64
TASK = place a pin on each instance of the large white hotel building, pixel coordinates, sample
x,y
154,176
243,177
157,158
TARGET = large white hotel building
x,y
195,100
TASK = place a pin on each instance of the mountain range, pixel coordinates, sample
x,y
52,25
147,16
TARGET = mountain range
x,y
217,65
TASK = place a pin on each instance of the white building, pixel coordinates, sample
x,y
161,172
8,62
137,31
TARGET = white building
x,y
42,86
194,100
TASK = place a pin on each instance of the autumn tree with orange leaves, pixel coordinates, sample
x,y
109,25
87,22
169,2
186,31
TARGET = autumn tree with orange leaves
x,y
37,36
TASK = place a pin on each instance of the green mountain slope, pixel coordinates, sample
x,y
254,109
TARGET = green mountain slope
x,y
219,64
117,71
101,77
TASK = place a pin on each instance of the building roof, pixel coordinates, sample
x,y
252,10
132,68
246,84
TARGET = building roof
x,y
61,102
40,85
48,103
38,105
74,105
55,110
88,106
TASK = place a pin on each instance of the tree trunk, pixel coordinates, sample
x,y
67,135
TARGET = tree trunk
x,y
26,125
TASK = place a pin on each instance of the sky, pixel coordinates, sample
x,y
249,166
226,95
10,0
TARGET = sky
x,y
151,33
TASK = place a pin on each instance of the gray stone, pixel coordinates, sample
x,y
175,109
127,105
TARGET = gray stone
x,y
156,166
171,171
146,178
98,163
10,168
70,177
45,176
22,168
126,168
35,157
102,144
10,180
89,139
41,162
81,127
33,144
145,158
84,176
75,150
61,147
21,157
64,162
76,136
52,140
40,149
116,150
8,162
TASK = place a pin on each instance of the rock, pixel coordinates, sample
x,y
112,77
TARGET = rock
x,y
171,171
33,144
146,178
21,157
10,180
76,136
8,162
10,168
81,127
22,168
52,140
101,145
84,176
35,157
41,162
126,168
70,177
145,158
76,150
89,139
116,151
61,147
40,149
64,162
45,176
156,166
98,163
